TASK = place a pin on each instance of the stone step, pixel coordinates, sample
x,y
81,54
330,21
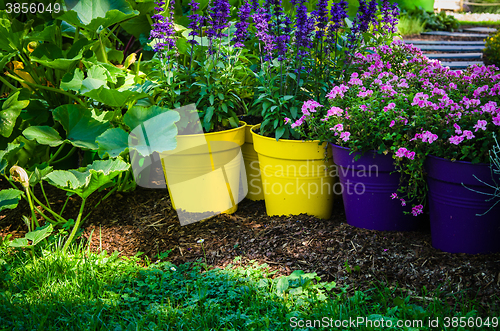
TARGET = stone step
x,y
481,29
454,55
460,64
442,42
446,48
456,34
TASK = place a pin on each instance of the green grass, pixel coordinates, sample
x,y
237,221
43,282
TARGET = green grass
x,y
80,291
491,23
409,25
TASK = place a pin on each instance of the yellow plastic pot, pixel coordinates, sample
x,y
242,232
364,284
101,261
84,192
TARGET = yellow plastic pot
x,y
254,183
297,176
203,172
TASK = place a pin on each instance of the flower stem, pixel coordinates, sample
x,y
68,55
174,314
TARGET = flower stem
x,y
75,227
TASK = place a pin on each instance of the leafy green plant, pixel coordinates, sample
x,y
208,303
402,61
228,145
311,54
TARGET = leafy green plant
x,y
491,51
410,25
433,21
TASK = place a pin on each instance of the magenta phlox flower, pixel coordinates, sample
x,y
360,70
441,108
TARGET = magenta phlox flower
x,y
402,83
496,120
429,137
417,210
457,128
287,120
334,111
310,107
389,106
337,91
392,124
345,135
401,152
456,140
338,127
403,202
490,107
410,155
298,122
468,134
394,196
481,125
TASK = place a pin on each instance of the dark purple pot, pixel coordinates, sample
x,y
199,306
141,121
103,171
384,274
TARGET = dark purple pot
x,y
367,185
455,228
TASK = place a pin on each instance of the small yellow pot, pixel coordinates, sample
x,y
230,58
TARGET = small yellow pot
x,y
297,176
203,173
254,182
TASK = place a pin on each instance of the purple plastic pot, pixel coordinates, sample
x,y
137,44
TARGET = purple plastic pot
x,y
455,228
366,186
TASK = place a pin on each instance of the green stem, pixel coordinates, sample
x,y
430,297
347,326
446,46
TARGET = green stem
x,y
75,227
66,156
57,216
64,206
33,215
77,35
56,153
48,89
44,195
6,83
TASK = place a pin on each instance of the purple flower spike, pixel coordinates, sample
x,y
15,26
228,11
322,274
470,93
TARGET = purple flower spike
x,y
196,22
218,14
163,29
241,27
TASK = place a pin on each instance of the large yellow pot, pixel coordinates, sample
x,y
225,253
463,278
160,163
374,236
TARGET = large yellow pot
x,y
204,173
297,176
251,158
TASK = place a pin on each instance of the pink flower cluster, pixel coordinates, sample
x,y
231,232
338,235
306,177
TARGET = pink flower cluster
x,y
403,152
337,91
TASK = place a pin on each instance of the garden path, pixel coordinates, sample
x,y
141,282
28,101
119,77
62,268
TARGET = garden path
x,y
456,50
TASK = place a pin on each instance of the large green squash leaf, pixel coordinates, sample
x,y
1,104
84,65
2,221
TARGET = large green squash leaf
x,y
81,127
94,176
12,33
157,134
9,198
6,156
114,98
113,142
44,135
52,56
93,14
11,109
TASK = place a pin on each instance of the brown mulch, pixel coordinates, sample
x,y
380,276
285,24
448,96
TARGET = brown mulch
x,y
144,221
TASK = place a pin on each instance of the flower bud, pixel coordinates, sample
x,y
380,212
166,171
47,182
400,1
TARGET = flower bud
x,y
20,175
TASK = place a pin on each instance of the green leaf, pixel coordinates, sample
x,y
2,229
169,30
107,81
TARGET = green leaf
x,y
5,58
211,99
39,234
19,242
11,109
287,97
279,132
114,98
13,33
73,81
282,285
96,77
40,171
94,14
44,135
81,127
112,142
84,183
6,156
137,115
52,56
9,198
156,134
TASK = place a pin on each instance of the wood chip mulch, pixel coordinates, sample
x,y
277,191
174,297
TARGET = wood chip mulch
x,y
144,221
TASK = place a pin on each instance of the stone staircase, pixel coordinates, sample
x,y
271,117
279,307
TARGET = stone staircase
x,y
456,53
